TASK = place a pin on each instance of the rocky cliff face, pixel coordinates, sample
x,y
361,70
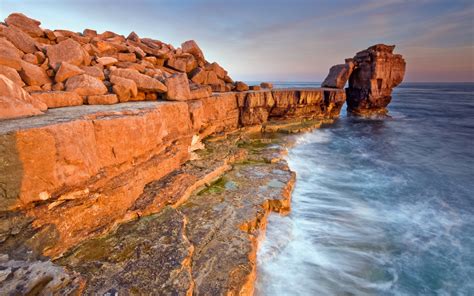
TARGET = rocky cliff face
x,y
372,75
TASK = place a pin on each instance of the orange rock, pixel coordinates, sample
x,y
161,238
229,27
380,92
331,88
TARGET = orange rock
x,y
85,85
255,87
240,86
200,91
124,88
178,87
198,76
108,99
12,108
266,85
20,39
216,68
9,89
95,71
143,82
89,33
56,99
338,75
67,70
33,75
191,47
127,57
65,51
11,74
30,58
10,56
107,61
24,23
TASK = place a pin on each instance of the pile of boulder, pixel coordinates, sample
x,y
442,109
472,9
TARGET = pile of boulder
x,y
41,69
372,74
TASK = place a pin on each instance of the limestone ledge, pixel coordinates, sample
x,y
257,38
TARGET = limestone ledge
x,y
75,173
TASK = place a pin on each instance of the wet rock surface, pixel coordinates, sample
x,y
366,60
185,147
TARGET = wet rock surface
x,y
204,243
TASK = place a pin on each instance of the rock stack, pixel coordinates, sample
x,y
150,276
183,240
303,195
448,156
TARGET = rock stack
x,y
41,69
372,75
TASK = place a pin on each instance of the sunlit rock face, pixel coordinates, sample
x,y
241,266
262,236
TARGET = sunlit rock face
x,y
377,72
372,74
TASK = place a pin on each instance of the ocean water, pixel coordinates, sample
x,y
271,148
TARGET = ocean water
x,y
381,206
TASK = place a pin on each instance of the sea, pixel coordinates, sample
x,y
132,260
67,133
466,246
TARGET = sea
x,y
381,206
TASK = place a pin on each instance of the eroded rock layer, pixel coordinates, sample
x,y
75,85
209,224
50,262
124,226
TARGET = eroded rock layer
x,y
76,173
372,75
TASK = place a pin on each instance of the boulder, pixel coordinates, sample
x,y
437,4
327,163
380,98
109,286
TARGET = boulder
x,y
178,87
33,75
9,89
127,57
255,87
20,39
338,75
12,108
10,56
142,81
216,68
24,23
124,88
86,85
108,99
266,85
107,61
11,74
65,51
66,71
191,47
200,91
241,86
198,76
95,71
56,99
212,78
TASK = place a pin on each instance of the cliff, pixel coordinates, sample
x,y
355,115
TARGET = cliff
x,y
131,166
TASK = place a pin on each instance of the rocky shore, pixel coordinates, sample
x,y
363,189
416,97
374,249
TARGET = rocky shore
x,y
129,166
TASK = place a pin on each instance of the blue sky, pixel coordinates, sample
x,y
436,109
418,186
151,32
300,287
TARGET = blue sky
x,y
284,40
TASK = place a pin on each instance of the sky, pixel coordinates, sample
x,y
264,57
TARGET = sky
x,y
290,40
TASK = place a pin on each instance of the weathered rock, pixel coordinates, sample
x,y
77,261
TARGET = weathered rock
x,y
56,99
67,70
191,47
143,82
65,51
376,73
338,75
37,278
85,85
241,86
200,91
30,58
20,39
127,57
216,68
11,74
178,87
95,71
107,61
124,88
267,85
255,87
10,56
9,89
198,76
108,99
24,23
12,108
33,75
